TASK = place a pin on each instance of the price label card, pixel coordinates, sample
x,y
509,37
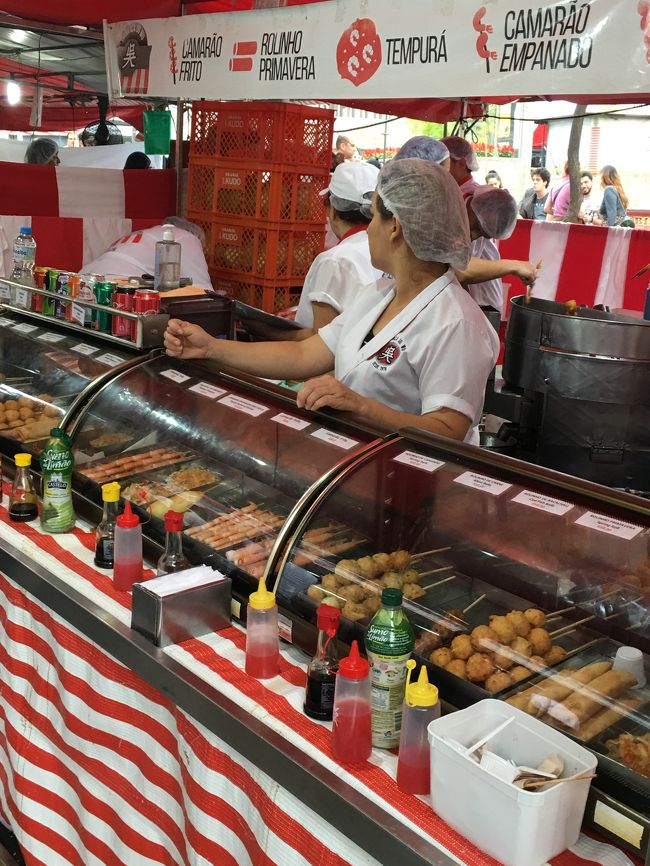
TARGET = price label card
x,y
543,503
5,293
22,298
419,461
241,404
285,628
205,389
482,482
84,349
175,376
25,328
78,314
51,338
290,421
109,360
334,439
609,525
6,323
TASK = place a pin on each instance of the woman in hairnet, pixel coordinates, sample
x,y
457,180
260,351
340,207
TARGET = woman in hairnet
x,y
417,355
43,151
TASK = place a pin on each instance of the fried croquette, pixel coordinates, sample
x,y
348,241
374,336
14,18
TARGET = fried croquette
x,y
517,618
412,590
479,667
458,668
522,647
540,641
481,636
498,681
330,582
536,617
503,628
555,654
461,647
519,673
354,611
441,657
352,593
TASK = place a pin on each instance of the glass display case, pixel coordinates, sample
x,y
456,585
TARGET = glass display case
x,y
521,584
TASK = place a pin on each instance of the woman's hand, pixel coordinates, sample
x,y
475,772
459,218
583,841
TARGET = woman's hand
x,y
328,391
183,340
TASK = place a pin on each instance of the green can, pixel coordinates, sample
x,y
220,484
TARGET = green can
x,y
104,295
50,284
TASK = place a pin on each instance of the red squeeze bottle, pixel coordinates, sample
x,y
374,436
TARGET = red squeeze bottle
x,y
351,731
128,550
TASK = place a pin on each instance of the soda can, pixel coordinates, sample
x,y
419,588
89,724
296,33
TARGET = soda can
x,y
63,289
74,285
87,293
104,295
123,299
50,285
146,302
40,275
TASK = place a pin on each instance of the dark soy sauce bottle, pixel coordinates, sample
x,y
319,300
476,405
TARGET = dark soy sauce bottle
x,y
321,673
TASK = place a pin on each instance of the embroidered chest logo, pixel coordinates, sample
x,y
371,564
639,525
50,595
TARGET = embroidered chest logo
x,y
388,356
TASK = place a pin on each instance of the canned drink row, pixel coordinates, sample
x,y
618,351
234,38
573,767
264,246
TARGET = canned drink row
x,y
96,289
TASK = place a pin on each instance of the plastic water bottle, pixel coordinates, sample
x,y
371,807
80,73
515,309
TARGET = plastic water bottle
x,y
167,268
24,257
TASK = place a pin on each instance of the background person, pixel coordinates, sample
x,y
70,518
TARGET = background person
x,y
417,355
557,203
425,147
531,207
463,162
43,151
345,147
613,208
137,159
588,206
492,178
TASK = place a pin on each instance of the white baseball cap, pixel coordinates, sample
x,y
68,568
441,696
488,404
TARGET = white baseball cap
x,y
353,181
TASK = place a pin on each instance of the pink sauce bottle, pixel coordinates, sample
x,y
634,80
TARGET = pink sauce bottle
x,y
127,555
351,731
262,642
421,706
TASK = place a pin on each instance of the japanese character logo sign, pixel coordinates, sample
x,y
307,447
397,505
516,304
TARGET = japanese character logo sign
x,y
358,54
134,56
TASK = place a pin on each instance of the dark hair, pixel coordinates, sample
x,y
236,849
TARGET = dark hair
x,y
354,217
544,173
137,159
493,174
586,174
384,213
337,159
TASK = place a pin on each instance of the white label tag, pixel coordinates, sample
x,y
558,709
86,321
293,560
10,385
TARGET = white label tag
x,y
290,421
51,338
6,323
419,461
22,298
109,360
78,314
25,328
542,503
609,525
334,439
85,349
205,389
243,405
175,376
482,482
285,628
5,293
618,824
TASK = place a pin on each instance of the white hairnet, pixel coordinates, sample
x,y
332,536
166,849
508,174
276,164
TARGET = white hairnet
x,y
426,200
461,148
41,151
423,147
496,211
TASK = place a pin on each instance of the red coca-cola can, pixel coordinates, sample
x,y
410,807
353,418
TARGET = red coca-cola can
x,y
146,302
123,299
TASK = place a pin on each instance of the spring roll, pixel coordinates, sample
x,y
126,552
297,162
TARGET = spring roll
x,y
580,706
560,686
606,718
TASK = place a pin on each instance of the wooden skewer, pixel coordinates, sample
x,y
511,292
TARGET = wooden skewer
x,y
557,613
541,782
429,552
474,603
578,649
435,570
438,582
571,627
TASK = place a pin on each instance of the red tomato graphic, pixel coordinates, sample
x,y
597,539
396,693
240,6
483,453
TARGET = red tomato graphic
x,y
358,54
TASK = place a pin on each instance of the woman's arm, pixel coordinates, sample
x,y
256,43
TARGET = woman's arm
x,y
482,270
278,360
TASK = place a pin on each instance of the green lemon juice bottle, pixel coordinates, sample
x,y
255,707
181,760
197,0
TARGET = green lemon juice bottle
x,y
57,461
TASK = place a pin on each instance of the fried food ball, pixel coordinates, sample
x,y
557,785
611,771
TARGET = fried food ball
x,y
522,646
458,668
461,647
410,576
372,604
540,641
354,611
517,618
441,657
503,628
25,412
536,617
382,560
426,643
497,682
519,673
555,654
503,659
330,582
392,579
537,660
11,404
368,566
347,570
24,403
479,667
352,593
333,602
481,635
11,415
412,590
46,398
316,592
400,560
17,423
51,412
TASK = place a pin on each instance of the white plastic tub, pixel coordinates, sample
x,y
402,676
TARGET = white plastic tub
x,y
518,828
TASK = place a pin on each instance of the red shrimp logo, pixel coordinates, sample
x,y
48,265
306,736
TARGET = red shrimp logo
x,y
483,31
643,9
358,54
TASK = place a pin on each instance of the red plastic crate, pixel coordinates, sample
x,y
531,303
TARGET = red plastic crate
x,y
268,295
278,132
278,251
257,192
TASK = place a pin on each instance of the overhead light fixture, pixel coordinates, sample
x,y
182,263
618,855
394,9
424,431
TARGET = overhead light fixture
x,y
13,91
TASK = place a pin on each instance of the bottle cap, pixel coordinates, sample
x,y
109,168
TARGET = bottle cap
x,y
23,459
25,230
328,618
173,521
354,666
422,693
261,599
391,597
111,492
168,232
128,520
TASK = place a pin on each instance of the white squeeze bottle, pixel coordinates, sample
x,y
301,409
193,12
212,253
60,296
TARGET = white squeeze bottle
x,y
167,270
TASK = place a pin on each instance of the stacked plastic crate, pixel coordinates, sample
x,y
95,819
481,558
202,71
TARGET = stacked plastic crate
x,y
256,172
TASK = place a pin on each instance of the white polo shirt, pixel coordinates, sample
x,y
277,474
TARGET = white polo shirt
x,y
489,293
336,276
436,353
